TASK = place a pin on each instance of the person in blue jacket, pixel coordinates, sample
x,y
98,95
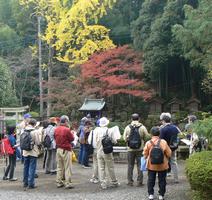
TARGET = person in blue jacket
x,y
12,157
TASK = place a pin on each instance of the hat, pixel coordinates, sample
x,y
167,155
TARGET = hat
x,y
103,122
27,115
53,120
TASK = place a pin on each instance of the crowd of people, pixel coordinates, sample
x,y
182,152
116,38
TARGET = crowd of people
x,y
58,139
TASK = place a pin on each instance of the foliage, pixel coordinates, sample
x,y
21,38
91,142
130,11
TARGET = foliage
x,y
66,98
34,114
164,65
199,173
116,71
204,128
195,38
119,18
72,29
7,94
207,83
8,40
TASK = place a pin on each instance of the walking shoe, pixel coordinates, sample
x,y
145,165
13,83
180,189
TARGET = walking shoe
x,y
32,187
47,172
130,183
151,197
94,180
69,187
36,176
139,184
160,197
5,178
53,173
86,167
115,184
104,186
60,185
13,179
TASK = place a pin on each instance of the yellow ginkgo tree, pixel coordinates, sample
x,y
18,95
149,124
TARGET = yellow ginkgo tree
x,y
72,27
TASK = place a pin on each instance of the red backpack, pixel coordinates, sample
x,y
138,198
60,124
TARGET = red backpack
x,y
6,148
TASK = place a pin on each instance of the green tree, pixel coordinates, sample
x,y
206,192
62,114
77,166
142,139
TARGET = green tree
x,y
119,20
163,64
195,36
9,40
7,94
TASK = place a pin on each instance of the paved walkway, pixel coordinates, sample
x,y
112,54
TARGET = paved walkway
x,y
84,190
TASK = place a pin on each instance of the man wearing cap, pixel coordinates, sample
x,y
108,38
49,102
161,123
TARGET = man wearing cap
x,y
135,154
63,137
169,132
105,160
21,126
50,164
30,157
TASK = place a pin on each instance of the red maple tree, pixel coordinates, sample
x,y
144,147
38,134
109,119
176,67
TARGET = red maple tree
x,y
115,71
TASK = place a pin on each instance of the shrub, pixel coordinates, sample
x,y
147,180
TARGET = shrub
x,y
204,128
199,173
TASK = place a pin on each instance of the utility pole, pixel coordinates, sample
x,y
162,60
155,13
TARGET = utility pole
x,y
40,68
49,104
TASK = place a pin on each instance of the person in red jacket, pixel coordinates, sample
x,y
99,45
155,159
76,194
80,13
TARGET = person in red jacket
x,y
63,138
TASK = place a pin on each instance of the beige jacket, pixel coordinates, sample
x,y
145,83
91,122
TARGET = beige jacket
x,y
35,138
100,132
142,131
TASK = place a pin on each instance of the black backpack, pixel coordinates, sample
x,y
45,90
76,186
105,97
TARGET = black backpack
x,y
174,142
47,141
107,144
156,154
134,141
26,142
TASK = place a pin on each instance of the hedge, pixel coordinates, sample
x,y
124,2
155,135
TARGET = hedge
x,y
199,173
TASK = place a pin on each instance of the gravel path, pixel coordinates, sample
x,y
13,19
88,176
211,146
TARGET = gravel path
x,y
84,190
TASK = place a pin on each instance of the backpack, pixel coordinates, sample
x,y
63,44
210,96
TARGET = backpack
x,y
174,142
107,144
47,141
6,148
134,141
90,146
156,153
26,142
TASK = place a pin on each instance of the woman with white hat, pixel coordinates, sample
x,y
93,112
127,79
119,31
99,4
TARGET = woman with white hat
x,y
105,159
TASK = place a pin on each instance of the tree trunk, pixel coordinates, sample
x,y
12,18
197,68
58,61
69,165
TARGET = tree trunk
x,y
49,104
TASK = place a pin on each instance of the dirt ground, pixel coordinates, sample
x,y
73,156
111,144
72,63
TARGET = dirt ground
x,y
84,190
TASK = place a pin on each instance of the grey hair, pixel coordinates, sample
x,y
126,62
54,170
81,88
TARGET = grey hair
x,y
64,118
165,115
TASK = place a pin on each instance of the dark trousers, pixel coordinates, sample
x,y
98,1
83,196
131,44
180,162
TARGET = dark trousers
x,y
132,157
11,167
161,181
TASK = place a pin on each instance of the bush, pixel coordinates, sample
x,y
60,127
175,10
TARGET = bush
x,y
204,128
199,173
